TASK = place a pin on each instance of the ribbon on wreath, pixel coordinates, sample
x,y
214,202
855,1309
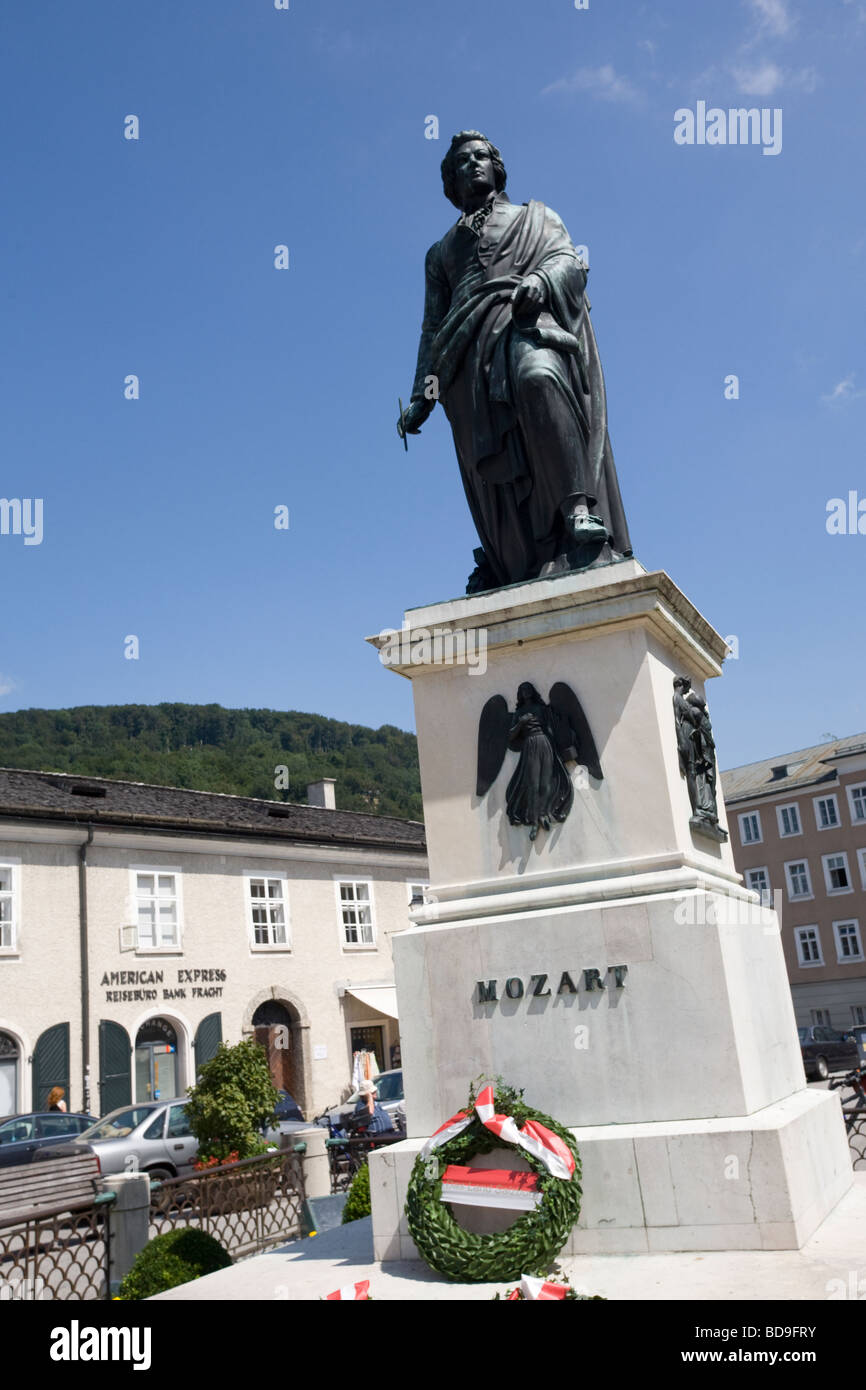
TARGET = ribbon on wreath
x,y
536,1139
539,1290
351,1292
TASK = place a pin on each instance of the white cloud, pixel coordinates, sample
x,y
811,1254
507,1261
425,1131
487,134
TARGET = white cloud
x,y
773,16
760,81
604,83
843,391
7,684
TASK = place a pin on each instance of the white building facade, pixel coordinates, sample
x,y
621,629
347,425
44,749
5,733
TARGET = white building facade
x,y
141,925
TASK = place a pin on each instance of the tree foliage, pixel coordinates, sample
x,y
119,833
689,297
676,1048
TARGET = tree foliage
x,y
233,1101
208,748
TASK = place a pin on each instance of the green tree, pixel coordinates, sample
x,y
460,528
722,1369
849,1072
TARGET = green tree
x,y
233,1101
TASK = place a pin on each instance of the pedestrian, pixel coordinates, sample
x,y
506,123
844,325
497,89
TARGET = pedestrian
x,y
368,1111
55,1099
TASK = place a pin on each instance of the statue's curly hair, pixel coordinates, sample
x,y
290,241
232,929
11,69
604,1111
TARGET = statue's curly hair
x,y
449,181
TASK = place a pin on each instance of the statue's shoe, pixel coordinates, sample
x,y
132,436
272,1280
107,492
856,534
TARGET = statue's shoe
x,y
587,529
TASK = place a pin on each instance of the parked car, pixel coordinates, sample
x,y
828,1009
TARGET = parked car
x,y
153,1137
824,1050
22,1136
390,1087
859,1031
289,1119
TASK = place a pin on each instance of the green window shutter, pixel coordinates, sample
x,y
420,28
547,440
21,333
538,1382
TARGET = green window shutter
x,y
51,1065
207,1039
115,1072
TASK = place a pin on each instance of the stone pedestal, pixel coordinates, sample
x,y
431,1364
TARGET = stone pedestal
x,y
614,968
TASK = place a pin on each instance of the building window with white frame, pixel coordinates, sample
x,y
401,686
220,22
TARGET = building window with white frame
x,y
750,828
861,857
821,1018
799,881
836,874
759,882
789,820
8,913
268,909
356,911
848,944
857,800
808,946
417,892
826,812
157,908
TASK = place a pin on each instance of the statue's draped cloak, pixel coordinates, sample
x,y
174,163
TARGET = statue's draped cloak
x,y
517,483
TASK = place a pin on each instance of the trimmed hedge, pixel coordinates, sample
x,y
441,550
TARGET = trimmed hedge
x,y
358,1200
172,1259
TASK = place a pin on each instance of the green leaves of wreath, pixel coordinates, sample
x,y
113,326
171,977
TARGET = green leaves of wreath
x,y
531,1243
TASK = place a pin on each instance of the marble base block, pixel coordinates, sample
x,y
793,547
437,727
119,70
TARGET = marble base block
x,y
762,1182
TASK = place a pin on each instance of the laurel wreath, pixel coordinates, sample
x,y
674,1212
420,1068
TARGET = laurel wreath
x,y
531,1243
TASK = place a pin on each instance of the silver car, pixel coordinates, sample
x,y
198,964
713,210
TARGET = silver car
x,y
153,1137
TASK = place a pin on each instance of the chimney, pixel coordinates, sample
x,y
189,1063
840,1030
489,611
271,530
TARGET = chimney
x,y
322,793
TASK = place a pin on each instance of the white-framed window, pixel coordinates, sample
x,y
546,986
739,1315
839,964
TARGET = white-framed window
x,y
156,895
836,875
355,908
789,820
861,859
826,812
858,1014
821,1018
415,890
10,874
750,828
759,882
809,948
849,947
857,803
267,909
799,879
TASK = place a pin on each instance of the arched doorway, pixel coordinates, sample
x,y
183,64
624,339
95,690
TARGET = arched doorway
x,y
156,1060
10,1058
277,1027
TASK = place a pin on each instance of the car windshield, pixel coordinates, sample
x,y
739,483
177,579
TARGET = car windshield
x,y
118,1125
804,1034
390,1086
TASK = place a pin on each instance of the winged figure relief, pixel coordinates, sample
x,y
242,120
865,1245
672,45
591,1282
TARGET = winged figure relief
x,y
545,738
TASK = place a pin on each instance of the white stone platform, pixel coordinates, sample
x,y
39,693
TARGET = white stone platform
x,y
830,1266
760,1182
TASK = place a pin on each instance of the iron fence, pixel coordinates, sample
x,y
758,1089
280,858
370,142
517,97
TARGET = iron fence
x,y
55,1253
247,1206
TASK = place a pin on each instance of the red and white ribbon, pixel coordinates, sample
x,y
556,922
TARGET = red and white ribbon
x,y
534,1138
351,1292
538,1290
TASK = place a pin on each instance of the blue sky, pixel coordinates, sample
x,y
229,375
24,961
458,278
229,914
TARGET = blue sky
x,y
261,387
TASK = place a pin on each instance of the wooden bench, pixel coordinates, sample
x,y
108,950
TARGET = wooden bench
x,y
58,1184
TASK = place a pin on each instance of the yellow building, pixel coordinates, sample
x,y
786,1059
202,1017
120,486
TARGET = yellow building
x,y
139,925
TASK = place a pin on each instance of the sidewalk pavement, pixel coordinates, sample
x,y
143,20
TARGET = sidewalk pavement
x,y
830,1265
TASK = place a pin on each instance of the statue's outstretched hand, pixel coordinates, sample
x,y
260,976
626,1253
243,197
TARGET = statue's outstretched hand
x,y
414,417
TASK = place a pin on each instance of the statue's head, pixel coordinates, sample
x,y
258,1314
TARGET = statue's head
x,y
460,174
682,684
527,694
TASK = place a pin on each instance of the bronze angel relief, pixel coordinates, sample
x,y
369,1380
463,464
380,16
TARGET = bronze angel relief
x,y
545,737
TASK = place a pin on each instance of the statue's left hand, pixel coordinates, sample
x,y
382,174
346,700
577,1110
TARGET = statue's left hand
x,y
527,301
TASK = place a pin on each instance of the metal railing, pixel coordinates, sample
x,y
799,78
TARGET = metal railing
x,y
247,1206
56,1253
